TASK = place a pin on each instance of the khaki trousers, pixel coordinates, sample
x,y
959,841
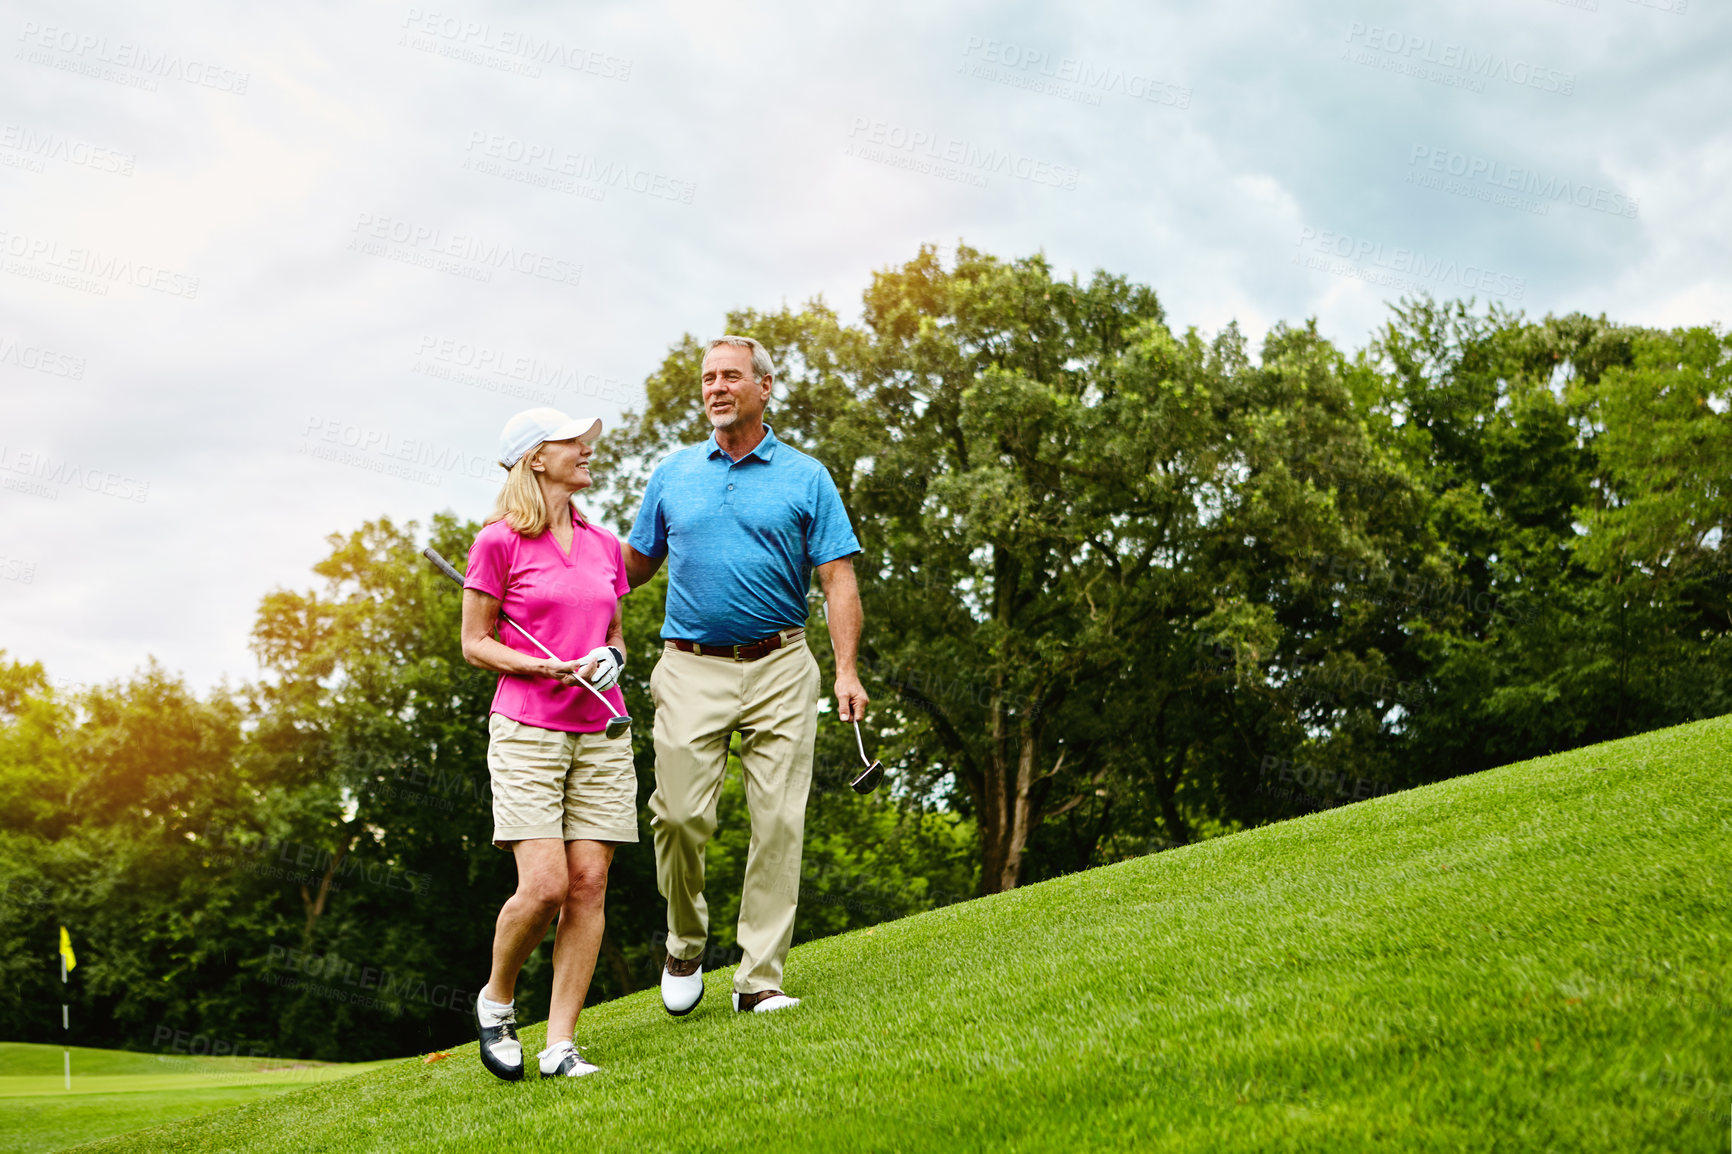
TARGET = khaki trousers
x,y
700,702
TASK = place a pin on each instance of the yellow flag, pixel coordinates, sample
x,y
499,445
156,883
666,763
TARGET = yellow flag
x,y
66,949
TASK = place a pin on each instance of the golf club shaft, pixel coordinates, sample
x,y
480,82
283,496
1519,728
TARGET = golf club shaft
x,y
446,568
552,656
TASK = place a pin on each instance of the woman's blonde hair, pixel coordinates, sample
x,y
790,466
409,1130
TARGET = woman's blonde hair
x,y
520,503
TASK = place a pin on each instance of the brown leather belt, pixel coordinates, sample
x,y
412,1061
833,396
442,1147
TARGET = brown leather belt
x,y
750,651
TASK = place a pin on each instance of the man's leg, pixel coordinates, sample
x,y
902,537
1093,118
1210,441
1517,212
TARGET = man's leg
x,y
697,702
778,728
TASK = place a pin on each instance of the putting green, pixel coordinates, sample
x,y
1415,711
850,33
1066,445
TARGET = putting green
x,y
114,1091
287,1079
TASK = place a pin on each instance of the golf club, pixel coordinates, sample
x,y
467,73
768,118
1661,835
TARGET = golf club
x,y
618,723
874,772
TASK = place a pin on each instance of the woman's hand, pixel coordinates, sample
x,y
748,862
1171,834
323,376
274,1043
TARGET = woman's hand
x,y
601,667
564,672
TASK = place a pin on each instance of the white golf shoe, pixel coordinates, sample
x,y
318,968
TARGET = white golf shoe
x,y
763,1002
682,989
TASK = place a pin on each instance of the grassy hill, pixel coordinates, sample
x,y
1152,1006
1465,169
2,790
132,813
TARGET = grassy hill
x,y
1533,958
114,1091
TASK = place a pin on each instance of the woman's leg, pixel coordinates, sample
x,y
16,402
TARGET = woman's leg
x,y
581,921
541,887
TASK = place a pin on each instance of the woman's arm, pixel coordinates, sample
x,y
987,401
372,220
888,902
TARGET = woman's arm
x,y
616,628
482,649
615,640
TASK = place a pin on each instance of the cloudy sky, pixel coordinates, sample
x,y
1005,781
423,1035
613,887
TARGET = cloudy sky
x,y
273,272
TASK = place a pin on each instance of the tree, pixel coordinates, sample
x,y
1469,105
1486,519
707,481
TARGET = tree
x,y
105,793
1656,523
1559,456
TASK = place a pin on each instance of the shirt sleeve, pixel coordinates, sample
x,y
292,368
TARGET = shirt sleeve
x,y
649,533
489,564
831,537
621,586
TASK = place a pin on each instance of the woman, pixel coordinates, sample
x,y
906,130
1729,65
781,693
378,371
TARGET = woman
x,y
563,794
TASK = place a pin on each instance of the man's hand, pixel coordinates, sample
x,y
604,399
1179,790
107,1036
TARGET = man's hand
x,y
851,698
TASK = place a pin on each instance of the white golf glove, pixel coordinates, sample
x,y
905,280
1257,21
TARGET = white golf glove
x,y
608,664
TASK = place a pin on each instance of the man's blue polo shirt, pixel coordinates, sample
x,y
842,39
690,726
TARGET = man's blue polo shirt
x,y
741,538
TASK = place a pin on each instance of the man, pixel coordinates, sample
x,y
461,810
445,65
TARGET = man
x,y
743,520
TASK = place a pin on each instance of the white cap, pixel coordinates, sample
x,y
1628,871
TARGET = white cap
x,y
533,426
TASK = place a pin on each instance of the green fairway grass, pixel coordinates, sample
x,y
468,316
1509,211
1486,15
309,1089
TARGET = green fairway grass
x,y
1534,958
114,1091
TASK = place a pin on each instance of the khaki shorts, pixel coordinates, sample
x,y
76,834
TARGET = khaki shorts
x,y
548,783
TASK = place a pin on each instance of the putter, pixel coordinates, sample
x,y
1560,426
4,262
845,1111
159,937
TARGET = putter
x,y
874,772
618,723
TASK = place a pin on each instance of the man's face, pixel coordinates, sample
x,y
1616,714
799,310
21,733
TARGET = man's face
x,y
731,396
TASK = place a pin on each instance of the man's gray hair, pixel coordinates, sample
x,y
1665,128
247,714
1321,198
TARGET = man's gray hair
x,y
762,365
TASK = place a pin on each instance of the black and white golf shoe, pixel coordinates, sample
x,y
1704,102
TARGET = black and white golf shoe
x,y
562,1060
501,1052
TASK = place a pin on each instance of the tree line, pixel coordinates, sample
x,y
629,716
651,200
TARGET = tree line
x,y
1126,587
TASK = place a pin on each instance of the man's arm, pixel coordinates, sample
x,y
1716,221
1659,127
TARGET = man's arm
x,y
842,594
651,529
638,568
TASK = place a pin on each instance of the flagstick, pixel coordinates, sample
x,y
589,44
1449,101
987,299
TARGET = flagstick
x,y
66,1025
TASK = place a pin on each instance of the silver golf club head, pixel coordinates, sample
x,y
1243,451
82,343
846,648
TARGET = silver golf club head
x,y
874,771
619,722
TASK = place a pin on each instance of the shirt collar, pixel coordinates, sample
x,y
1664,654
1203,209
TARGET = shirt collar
x,y
765,450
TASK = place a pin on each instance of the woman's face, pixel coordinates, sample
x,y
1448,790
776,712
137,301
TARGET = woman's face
x,y
567,462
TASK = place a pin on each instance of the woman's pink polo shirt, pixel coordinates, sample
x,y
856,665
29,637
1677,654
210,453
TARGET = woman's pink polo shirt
x,y
566,601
